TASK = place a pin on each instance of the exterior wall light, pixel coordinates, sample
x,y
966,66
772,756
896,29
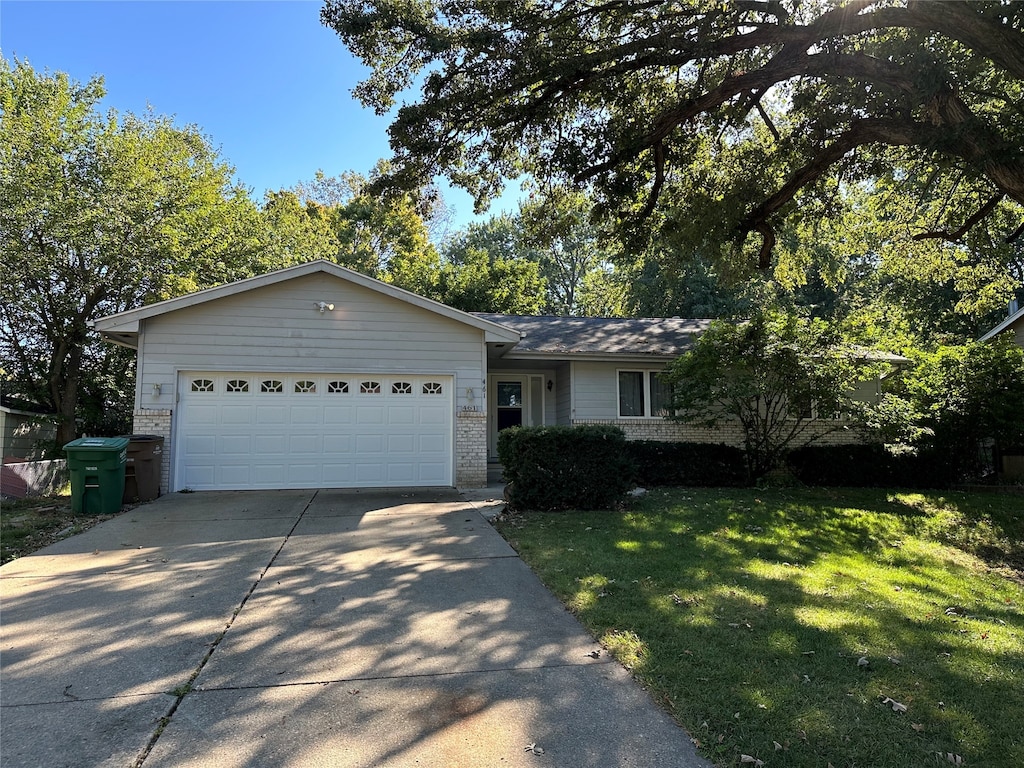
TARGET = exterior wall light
x,y
323,306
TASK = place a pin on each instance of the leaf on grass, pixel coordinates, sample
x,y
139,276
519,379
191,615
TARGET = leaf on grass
x,y
776,745
896,706
863,661
917,727
806,653
750,759
721,738
950,758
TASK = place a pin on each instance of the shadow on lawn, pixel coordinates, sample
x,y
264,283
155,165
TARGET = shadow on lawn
x,y
752,610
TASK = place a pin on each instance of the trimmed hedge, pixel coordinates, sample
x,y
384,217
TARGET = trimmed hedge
x,y
870,466
688,464
549,468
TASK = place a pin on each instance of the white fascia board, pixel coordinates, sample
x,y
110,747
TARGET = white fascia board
x,y
128,322
1019,314
606,357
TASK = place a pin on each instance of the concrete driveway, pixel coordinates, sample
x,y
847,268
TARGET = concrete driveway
x,y
307,628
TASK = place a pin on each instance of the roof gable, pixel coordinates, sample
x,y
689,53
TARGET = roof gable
x,y
121,326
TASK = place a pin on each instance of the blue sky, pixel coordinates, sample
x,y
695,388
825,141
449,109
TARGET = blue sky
x,y
264,80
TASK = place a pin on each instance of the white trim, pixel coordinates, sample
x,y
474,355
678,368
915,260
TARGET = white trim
x,y
1019,314
648,400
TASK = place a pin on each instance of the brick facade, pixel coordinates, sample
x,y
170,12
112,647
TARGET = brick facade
x,y
157,422
471,449
667,431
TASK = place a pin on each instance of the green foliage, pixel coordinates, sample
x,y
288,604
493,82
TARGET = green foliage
x,y
771,375
717,128
575,257
970,395
487,268
385,237
687,464
554,468
99,214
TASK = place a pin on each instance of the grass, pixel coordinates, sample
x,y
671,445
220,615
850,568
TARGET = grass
x,y
27,525
776,623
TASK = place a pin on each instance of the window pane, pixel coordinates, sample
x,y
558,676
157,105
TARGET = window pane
x,y
631,393
661,396
510,394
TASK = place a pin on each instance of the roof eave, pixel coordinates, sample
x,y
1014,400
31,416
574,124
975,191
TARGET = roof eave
x,y
1007,322
514,354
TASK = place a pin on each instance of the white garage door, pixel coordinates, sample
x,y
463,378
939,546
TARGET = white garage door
x,y
271,430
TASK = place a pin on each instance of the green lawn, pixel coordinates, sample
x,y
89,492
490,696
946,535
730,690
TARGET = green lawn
x,y
775,623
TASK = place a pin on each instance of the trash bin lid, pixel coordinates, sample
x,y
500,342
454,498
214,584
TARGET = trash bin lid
x,y
98,444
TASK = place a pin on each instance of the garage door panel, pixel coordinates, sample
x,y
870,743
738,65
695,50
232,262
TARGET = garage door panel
x,y
433,445
369,444
338,414
337,443
201,445
401,444
401,415
237,414
401,473
369,414
270,475
202,414
434,415
331,433
234,445
238,475
304,474
338,475
271,414
305,443
432,474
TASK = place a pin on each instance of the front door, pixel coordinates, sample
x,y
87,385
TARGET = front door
x,y
515,401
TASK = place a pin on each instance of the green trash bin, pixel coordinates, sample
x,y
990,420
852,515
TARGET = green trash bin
x,y
96,466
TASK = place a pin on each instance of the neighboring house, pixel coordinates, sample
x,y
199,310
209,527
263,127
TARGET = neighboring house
x,y
24,428
318,376
1014,323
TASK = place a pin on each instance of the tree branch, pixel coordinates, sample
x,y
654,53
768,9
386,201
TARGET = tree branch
x,y
956,234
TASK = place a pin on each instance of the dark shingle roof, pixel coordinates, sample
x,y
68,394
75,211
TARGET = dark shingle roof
x,y
601,335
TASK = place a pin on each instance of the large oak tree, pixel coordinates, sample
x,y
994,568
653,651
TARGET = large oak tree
x,y
706,120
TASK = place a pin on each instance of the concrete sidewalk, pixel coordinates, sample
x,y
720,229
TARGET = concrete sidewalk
x,y
307,628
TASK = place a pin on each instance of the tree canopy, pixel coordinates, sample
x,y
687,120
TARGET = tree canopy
x,y
99,214
712,123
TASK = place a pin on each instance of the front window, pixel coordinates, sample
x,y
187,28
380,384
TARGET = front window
x,y
631,393
661,395
643,394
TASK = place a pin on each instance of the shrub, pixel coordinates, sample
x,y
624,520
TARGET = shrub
x,y
548,468
870,466
691,464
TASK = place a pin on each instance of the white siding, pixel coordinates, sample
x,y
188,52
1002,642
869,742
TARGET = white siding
x,y
279,328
